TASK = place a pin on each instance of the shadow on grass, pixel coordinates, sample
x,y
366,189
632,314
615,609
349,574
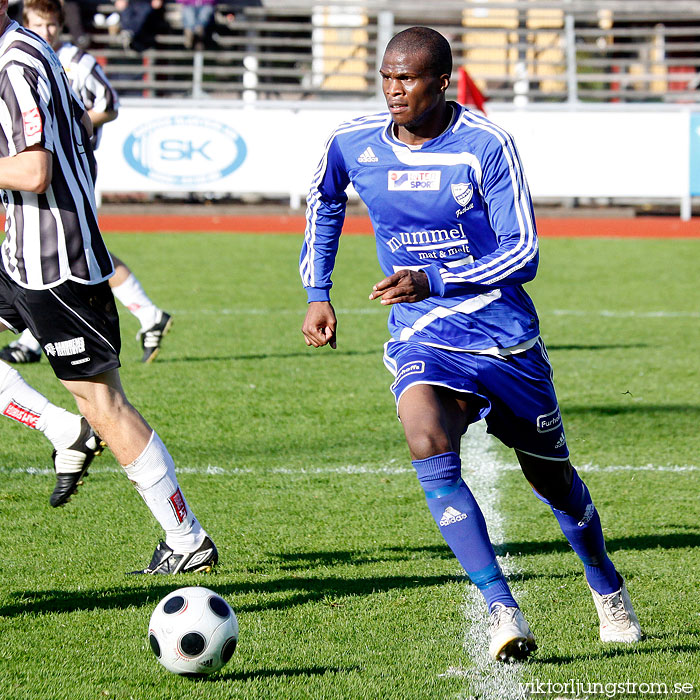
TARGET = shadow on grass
x,y
285,592
291,561
303,353
598,346
646,646
294,591
275,673
672,540
630,409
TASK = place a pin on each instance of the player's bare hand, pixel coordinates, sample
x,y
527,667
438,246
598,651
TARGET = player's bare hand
x,y
320,324
404,286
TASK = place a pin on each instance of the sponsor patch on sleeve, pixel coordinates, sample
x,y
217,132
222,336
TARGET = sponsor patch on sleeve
x,y
32,122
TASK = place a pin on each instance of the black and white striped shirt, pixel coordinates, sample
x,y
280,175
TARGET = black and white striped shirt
x,y
87,78
54,236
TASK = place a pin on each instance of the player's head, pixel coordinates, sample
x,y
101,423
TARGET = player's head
x,y
4,19
415,73
45,18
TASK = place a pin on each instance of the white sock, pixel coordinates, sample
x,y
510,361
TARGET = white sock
x,y
29,341
26,405
153,474
131,294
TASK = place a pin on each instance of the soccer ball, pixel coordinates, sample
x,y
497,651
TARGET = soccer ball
x,y
193,631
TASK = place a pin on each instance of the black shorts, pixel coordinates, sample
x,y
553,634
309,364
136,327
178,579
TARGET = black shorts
x,y
77,325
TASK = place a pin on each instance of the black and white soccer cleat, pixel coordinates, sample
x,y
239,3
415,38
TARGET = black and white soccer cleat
x,y
152,338
17,354
71,464
165,561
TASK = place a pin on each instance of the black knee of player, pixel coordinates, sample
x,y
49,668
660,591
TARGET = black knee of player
x,y
551,479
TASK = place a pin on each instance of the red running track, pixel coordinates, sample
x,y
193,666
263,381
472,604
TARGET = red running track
x,y
643,227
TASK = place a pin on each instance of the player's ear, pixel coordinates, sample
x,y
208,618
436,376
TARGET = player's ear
x,y
444,82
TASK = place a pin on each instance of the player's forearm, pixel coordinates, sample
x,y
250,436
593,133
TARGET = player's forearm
x,y
320,248
28,171
501,268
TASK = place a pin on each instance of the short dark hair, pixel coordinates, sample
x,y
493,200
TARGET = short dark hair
x,y
428,41
44,8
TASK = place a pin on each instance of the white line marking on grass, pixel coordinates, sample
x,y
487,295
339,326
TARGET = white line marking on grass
x,y
376,309
482,469
624,314
637,468
249,311
350,469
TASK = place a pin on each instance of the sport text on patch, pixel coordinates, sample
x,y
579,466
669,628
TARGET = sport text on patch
x,y
414,180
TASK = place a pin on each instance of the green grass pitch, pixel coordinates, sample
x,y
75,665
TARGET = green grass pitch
x,y
294,461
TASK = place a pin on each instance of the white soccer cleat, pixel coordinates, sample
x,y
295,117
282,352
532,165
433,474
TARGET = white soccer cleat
x,y
618,621
511,638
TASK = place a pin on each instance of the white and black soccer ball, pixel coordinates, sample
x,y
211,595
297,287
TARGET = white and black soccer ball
x,y
193,631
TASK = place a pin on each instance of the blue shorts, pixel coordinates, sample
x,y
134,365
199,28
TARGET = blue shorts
x,y
517,397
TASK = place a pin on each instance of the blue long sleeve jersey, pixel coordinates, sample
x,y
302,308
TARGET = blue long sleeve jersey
x,y
457,207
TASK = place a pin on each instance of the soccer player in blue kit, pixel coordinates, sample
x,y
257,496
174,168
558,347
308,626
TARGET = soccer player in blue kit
x,y
456,239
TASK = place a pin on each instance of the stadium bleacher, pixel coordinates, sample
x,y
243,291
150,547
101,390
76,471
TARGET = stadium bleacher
x,y
523,51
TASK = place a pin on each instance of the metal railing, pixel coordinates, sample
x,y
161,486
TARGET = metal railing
x,y
524,52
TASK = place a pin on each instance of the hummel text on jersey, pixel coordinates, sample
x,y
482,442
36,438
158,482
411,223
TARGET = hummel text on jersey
x,y
367,156
451,516
428,240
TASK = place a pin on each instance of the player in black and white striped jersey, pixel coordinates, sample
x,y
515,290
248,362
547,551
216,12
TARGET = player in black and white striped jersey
x,y
86,77
53,278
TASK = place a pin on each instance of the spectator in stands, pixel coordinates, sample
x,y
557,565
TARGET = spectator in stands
x,y
140,20
79,14
197,17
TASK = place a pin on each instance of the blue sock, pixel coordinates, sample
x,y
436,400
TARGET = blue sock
x,y
580,523
462,524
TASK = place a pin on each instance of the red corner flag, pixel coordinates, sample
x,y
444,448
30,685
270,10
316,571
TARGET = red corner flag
x,y
468,93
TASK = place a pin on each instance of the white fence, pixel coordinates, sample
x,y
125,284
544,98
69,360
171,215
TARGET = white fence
x,y
272,150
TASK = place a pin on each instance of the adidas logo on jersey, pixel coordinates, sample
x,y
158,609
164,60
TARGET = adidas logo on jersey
x,y
367,156
451,516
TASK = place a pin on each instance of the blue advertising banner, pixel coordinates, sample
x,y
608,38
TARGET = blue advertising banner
x,y
695,154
